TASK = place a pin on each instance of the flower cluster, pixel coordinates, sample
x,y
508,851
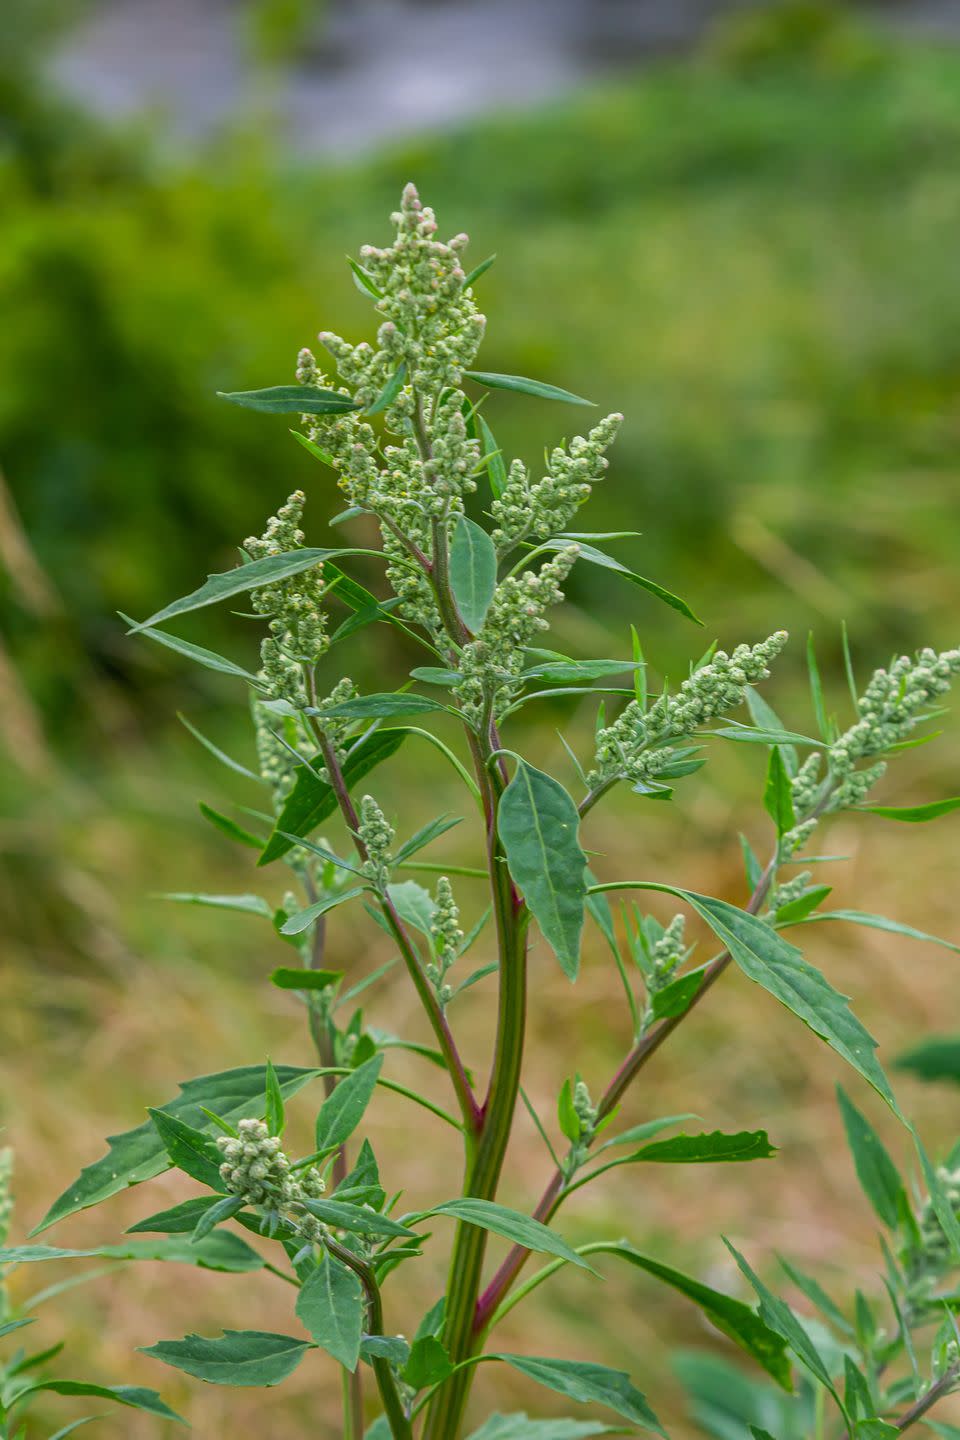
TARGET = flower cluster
x,y
587,1113
447,938
934,1255
666,953
256,1168
543,508
376,836
789,891
297,628
492,663
635,746
890,709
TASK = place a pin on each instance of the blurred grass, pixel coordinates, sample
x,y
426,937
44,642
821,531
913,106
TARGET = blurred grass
x,y
752,257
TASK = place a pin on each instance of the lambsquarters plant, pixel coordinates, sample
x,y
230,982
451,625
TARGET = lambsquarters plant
x,y
475,552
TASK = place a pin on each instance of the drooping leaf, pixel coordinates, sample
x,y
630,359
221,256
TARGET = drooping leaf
x,y
521,1229
302,920
220,755
311,801
607,562
940,1200
268,570
291,400
413,904
237,1357
732,1317
330,1305
815,1293
518,383
139,1154
778,795
539,826
135,1396
300,978
880,922
912,814
590,1385
750,735
245,904
473,571
878,1176
342,1111
777,1315
208,658
229,827
427,1364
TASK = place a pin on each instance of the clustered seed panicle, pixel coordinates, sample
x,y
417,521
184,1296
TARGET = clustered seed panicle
x,y
297,626
376,835
492,663
667,952
447,939
547,506
635,746
256,1168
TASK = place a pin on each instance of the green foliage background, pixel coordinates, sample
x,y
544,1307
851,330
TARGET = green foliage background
x,y
750,253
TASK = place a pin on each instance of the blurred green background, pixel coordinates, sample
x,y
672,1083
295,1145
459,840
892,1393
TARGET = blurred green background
x,y
750,248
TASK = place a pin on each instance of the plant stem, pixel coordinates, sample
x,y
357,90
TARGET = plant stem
x,y
466,1099
397,1419
647,1046
926,1402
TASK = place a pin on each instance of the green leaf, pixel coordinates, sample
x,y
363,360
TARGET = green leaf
x,y
252,576
133,1395
567,1117
303,919
539,826
390,1347
876,1430
818,1296
229,827
778,1316
220,755
330,1305
778,795
311,801
800,909
291,400
732,1317
940,1200
273,1102
521,1229
425,836
816,689
11,1325
878,1176
389,392
293,978
599,557
358,1219
880,922
589,1384
208,658
221,1210
558,671
312,448
246,904
912,814
473,571
705,1149
379,707
428,1364
519,1427
643,1132
189,1150
677,997
413,904
74,1425
364,281
753,736
522,386
765,957
935,1059
237,1357
342,1111
496,467
139,1154
222,1251
477,271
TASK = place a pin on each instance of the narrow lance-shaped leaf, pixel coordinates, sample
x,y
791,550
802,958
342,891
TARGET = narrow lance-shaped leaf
x,y
342,1112
303,919
521,1427
878,1176
521,1229
589,1385
594,556
273,1102
521,386
473,571
291,400
913,814
880,922
237,1357
778,795
208,658
539,827
330,1305
190,1150
134,1396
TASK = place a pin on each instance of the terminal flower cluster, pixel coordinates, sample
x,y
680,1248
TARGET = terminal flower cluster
x,y
297,628
447,938
635,747
376,836
256,1168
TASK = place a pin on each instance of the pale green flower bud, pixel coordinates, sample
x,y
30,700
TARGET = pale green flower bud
x,y
376,836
